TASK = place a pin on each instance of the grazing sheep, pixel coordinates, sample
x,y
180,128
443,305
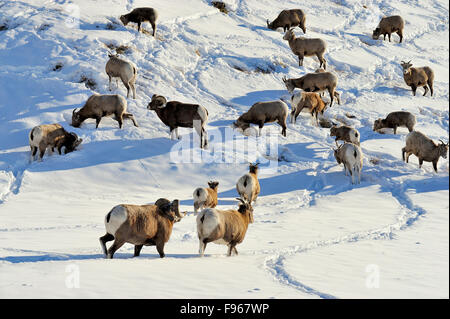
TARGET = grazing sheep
x,y
351,156
309,100
424,148
140,15
248,186
315,82
287,19
126,71
389,25
224,227
51,135
264,112
394,120
346,134
175,114
149,225
206,197
98,106
306,47
415,77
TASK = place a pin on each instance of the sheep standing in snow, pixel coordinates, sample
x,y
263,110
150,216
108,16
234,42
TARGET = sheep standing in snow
x,y
126,71
226,227
302,47
394,120
389,25
140,15
351,156
175,114
307,100
51,135
206,197
98,106
315,82
145,225
287,19
416,77
424,148
264,112
248,186
345,133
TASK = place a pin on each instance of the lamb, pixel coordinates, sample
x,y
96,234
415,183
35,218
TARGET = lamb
x,y
248,186
140,225
225,227
394,120
346,134
175,114
126,71
415,77
98,106
306,47
424,148
140,15
389,25
351,156
264,112
287,19
315,82
51,135
310,100
205,197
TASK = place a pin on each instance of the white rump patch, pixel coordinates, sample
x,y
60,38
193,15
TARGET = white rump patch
x,y
117,218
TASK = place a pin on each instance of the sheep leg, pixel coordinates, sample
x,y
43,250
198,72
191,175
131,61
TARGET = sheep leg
x,y
321,60
154,28
160,249
435,165
389,35
119,119
139,26
128,88
420,162
331,92
137,250
430,85
413,88
110,88
202,244
103,240
97,121
114,247
196,208
42,149
230,248
300,60
395,129
204,138
235,250
426,90
283,128
199,129
400,34
302,26
260,128
33,152
131,117
403,153
408,154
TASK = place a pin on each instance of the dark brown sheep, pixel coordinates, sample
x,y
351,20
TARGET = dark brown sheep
x,y
288,19
140,15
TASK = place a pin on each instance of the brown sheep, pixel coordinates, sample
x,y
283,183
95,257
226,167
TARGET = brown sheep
x,y
126,71
248,186
309,100
149,225
394,120
416,77
206,197
346,134
424,148
389,25
302,47
287,19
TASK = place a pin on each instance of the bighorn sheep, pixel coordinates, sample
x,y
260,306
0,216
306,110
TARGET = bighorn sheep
x,y
126,71
310,100
264,112
175,114
98,106
248,186
315,82
415,77
394,120
302,47
140,225
225,227
140,15
287,19
389,25
351,156
205,197
345,133
51,135
424,148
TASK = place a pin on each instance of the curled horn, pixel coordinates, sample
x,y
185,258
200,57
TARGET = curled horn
x,y
284,79
241,200
268,23
74,111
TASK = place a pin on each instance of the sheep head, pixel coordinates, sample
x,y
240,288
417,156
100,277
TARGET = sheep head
x,y
170,210
245,207
269,25
289,85
124,19
378,124
289,35
240,124
213,185
443,149
77,119
157,102
406,66
72,142
253,168
333,131
376,34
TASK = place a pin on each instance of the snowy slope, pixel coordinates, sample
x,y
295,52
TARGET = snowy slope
x,y
315,234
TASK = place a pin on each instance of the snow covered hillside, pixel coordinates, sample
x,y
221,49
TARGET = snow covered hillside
x,y
315,234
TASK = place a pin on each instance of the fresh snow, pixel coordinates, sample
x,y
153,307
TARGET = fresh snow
x,y
315,234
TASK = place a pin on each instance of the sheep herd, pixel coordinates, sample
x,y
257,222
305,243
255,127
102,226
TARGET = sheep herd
x,y
152,224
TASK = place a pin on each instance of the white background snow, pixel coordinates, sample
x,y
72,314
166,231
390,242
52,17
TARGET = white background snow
x,y
315,234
